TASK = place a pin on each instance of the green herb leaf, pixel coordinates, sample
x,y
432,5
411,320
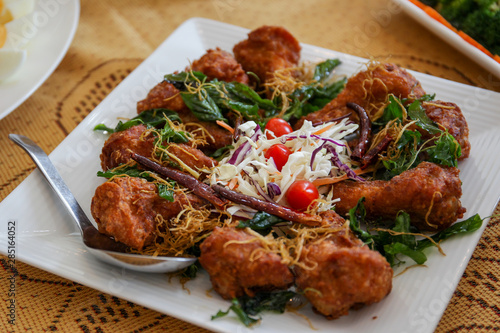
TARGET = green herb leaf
x,y
446,151
266,301
357,215
247,307
166,191
472,224
104,128
220,153
312,97
407,159
184,79
394,249
261,222
191,271
151,118
168,134
401,239
238,310
202,105
323,70
417,112
392,111
131,171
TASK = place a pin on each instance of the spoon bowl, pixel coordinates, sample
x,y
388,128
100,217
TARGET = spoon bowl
x,y
101,246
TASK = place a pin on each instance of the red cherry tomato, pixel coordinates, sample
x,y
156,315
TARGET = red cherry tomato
x,y
279,153
301,194
278,126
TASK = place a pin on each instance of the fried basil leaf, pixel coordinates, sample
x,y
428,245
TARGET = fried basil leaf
x,y
262,222
323,70
417,112
401,238
393,110
246,308
472,224
238,310
315,96
151,118
202,105
446,151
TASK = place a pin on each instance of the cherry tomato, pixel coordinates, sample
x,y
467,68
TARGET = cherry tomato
x,y
278,126
279,153
301,194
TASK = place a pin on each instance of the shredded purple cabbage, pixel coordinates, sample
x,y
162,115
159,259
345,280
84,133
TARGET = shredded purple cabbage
x,y
240,152
259,189
338,163
273,190
335,142
315,152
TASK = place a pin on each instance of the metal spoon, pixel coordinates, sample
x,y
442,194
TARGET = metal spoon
x,y
103,247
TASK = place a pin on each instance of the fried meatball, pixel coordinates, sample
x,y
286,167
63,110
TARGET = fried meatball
x,y
221,65
163,95
429,193
238,265
192,157
215,136
267,50
370,90
126,207
449,117
340,276
137,139
119,146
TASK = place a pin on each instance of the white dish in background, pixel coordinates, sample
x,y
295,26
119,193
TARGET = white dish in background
x,y
48,239
53,25
451,37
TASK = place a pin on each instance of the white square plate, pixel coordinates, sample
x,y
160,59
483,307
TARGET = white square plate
x,y
48,239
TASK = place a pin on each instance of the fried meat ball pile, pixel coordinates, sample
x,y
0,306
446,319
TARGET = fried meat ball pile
x,y
335,271
338,273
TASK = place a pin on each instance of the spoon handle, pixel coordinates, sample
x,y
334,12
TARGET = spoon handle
x,y
55,180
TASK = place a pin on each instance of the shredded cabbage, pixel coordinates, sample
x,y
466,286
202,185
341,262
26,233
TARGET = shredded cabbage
x,y
246,170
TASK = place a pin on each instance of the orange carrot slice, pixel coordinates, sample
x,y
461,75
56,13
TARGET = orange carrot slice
x,y
224,125
418,4
333,180
474,43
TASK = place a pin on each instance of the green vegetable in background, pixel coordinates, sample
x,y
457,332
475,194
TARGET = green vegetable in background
x,y
480,19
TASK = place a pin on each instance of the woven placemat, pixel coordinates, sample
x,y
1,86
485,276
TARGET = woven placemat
x,y
114,37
